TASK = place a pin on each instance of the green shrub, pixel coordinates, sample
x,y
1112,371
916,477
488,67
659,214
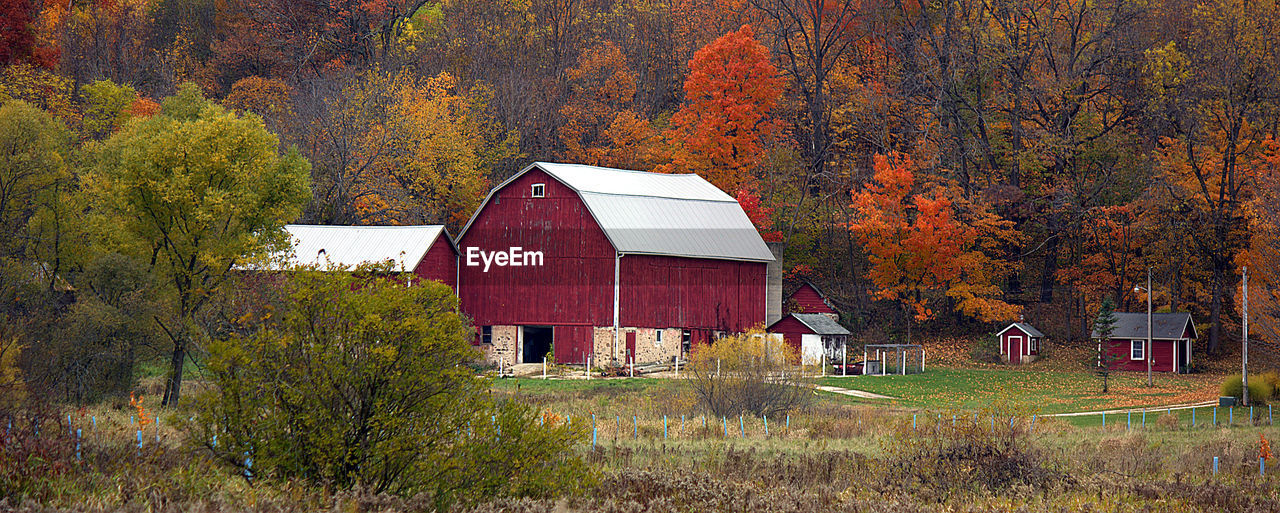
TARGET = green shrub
x,y
1259,389
363,383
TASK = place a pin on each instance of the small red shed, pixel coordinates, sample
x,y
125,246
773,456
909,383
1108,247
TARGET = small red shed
x,y
811,334
1020,343
425,250
808,299
1172,335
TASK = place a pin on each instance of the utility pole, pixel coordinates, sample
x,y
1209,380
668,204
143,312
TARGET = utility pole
x,y
1244,356
1147,353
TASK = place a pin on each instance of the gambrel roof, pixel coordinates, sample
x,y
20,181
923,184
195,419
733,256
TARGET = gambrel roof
x,y
656,213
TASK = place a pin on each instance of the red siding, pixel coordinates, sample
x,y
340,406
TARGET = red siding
x,y
672,292
1017,349
440,263
574,287
791,329
808,300
1162,350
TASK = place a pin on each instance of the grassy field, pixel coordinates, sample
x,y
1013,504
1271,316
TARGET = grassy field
x,y
1035,391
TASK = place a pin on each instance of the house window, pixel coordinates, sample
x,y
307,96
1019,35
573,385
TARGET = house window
x,y
539,190
657,338
1035,345
486,334
1135,349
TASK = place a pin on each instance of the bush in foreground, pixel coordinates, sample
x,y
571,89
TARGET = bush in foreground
x,y
364,382
746,373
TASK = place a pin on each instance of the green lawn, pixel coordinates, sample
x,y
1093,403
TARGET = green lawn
x,y
1033,391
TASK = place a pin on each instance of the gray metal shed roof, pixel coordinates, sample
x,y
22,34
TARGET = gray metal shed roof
x,y
821,324
349,246
1164,326
1026,328
658,214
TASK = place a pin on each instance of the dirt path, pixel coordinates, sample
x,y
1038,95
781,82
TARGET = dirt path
x,y
852,393
1184,406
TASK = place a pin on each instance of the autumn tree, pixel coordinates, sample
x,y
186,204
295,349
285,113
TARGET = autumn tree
x,y
811,37
1216,90
395,148
601,128
34,162
194,190
1111,255
920,250
729,95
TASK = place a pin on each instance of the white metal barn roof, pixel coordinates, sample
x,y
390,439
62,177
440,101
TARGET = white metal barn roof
x,y
658,214
821,324
349,246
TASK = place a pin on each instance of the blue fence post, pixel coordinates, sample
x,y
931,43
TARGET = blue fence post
x,y
766,425
724,422
77,445
788,421
1144,419
682,422
215,439
1251,415
1193,417
635,426
68,423
913,421
664,427
94,418
993,423
1231,416
1104,420
248,466
1215,465
742,427
1033,422
1215,415
593,437
1129,424
953,420
1262,467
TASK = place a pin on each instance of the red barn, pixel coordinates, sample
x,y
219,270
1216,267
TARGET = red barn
x,y
808,299
577,261
1172,335
1020,343
424,250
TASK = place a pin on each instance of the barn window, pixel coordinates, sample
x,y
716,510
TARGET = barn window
x,y
539,190
657,341
486,335
1135,349
1035,345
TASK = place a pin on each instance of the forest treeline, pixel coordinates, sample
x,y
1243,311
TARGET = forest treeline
x,y
942,165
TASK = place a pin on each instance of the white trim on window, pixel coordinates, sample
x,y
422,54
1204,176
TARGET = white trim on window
x,y
538,190
657,338
1137,349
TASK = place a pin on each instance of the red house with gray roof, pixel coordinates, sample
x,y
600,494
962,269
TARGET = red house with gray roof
x,y
1172,336
577,261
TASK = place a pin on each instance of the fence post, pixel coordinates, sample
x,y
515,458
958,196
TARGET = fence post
x,y
593,437
1129,425
913,421
1215,415
94,419
1215,465
77,445
788,421
724,422
664,427
635,426
1144,419
1231,416
1193,417
1250,415
1033,422
1104,420
742,427
1262,467
544,367
766,425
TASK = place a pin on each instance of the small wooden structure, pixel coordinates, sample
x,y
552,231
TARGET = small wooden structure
x,y
887,359
1020,343
812,334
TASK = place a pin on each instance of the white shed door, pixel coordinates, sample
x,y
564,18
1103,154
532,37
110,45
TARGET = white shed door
x,y
811,349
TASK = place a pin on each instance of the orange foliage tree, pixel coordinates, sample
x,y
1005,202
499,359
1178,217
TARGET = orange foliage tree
x,y
1111,254
920,248
600,127
730,91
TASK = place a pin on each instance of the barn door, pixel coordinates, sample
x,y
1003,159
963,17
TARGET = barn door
x,y
631,346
